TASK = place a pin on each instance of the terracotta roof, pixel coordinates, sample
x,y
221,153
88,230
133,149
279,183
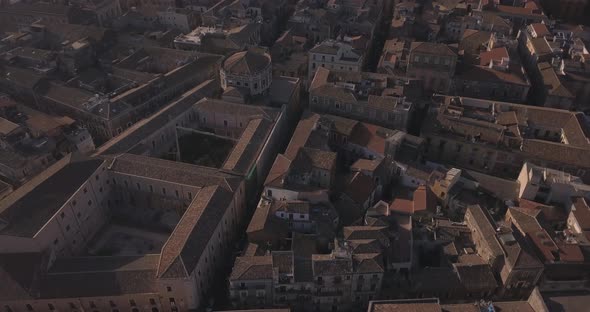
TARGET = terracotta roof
x,y
405,306
570,253
540,29
246,63
528,10
476,278
283,261
26,210
370,136
524,222
248,147
518,253
368,263
366,164
493,55
172,171
278,170
537,210
552,82
359,188
402,205
224,107
544,243
486,227
362,232
557,152
193,232
432,48
344,126
424,200
252,268
265,221
302,133
515,74
327,265
308,158
507,118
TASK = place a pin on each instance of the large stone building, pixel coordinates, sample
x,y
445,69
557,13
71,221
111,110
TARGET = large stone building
x,y
434,63
499,137
363,96
490,69
250,71
108,101
507,251
556,62
179,218
335,55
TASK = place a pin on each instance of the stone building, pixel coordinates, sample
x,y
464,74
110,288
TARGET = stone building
x,y
434,63
510,135
249,70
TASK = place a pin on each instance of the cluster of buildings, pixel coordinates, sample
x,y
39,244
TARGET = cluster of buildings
x,y
309,155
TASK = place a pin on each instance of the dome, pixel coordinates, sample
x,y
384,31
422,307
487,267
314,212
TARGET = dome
x,y
246,63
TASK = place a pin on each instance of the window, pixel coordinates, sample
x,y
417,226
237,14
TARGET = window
x,y
190,196
168,288
72,306
85,191
92,305
132,302
96,177
164,190
30,307
225,123
112,303
138,186
90,203
152,301
151,189
100,190
51,307
67,227
55,241
63,214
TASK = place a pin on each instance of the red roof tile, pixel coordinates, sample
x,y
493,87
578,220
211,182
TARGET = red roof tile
x,y
493,55
401,205
570,253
